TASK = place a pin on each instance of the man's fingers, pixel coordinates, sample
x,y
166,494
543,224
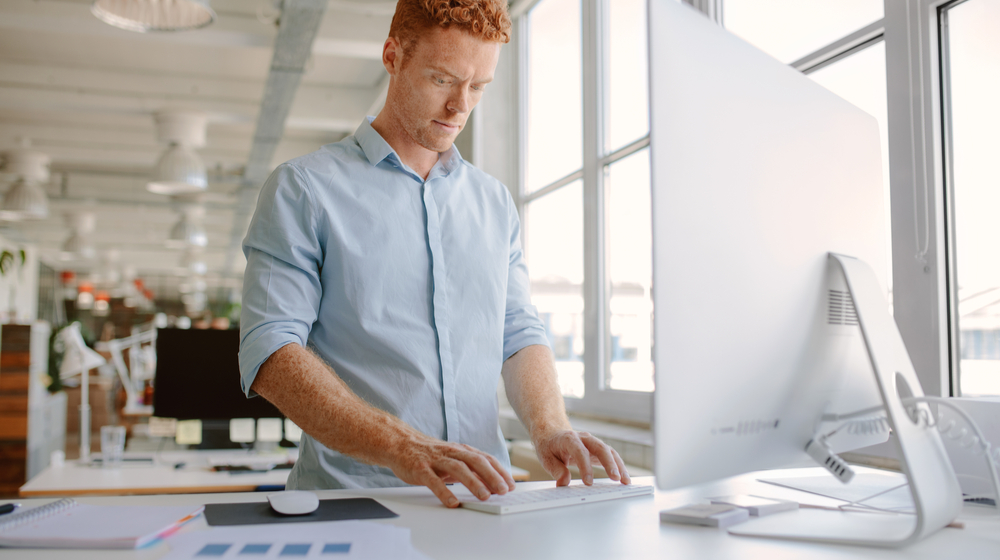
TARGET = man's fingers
x,y
625,478
557,469
441,490
461,471
486,470
508,479
620,464
581,456
603,453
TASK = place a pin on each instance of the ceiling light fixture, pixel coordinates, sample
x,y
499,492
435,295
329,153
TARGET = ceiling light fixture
x,y
26,200
79,245
189,231
192,263
180,170
144,16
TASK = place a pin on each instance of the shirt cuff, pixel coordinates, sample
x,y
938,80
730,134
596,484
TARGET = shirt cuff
x,y
257,346
523,339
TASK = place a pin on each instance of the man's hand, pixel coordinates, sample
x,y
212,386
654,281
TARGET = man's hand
x,y
434,463
530,378
563,448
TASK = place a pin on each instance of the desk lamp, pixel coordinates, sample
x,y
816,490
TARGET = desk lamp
x,y
79,359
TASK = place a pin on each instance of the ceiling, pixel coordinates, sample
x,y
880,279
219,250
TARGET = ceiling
x,y
85,92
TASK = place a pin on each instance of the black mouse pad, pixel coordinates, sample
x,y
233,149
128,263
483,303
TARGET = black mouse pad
x,y
255,513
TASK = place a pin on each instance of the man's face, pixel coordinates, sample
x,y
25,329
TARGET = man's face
x,y
441,78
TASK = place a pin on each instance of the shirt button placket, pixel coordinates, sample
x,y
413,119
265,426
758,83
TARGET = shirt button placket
x,y
441,314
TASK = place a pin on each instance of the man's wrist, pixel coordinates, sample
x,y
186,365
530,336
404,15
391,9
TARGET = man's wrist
x,y
544,431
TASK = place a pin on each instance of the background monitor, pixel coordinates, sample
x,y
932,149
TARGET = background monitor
x,y
198,377
757,174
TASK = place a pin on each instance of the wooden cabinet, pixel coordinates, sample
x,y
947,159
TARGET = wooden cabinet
x,y
32,420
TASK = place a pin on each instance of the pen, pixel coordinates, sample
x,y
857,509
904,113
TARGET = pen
x,y
7,508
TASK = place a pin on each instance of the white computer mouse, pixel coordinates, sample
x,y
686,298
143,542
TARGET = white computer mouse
x,y
293,502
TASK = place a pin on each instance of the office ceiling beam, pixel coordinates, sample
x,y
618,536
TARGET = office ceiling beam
x,y
300,21
235,30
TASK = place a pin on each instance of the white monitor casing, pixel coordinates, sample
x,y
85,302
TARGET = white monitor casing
x,y
758,175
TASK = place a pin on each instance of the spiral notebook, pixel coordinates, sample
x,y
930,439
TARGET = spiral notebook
x,y
69,524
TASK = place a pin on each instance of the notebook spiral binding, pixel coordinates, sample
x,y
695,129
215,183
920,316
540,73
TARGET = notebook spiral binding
x,y
34,514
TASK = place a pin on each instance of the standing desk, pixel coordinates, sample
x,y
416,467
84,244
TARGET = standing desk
x,y
627,528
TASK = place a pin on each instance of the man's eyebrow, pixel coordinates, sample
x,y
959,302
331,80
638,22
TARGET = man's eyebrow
x,y
439,70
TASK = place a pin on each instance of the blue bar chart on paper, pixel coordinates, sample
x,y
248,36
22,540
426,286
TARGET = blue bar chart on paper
x,y
335,540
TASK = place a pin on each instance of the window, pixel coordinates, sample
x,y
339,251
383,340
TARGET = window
x,y
554,251
791,29
972,88
627,74
630,271
554,129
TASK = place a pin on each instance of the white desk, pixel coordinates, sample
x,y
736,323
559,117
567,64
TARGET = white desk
x,y
160,477
627,528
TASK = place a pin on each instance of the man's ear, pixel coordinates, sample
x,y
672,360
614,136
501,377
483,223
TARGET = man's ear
x,y
392,55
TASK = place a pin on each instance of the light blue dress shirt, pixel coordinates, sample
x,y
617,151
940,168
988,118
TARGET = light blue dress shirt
x,y
415,292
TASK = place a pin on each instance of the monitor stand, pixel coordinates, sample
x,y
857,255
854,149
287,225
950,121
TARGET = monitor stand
x,y
937,498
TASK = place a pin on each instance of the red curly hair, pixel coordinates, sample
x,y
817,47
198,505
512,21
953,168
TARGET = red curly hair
x,y
486,19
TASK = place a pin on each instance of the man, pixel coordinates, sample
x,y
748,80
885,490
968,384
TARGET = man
x,y
399,266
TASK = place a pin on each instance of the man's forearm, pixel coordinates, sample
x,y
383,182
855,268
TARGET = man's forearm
x,y
306,390
533,391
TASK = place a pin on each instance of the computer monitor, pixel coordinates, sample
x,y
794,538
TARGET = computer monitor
x,y
758,175
197,377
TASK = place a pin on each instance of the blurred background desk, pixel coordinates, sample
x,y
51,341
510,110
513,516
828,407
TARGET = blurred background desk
x,y
163,476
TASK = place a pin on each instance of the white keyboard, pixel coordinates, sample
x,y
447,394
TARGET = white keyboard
x,y
516,502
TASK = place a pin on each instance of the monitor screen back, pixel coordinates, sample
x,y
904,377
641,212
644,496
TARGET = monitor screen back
x,y
758,172
198,377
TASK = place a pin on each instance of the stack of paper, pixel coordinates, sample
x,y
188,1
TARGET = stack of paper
x,y
335,540
709,515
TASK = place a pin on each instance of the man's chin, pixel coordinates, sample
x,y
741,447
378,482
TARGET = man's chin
x,y
438,145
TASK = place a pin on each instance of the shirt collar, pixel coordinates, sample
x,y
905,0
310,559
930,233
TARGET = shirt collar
x,y
377,149
372,144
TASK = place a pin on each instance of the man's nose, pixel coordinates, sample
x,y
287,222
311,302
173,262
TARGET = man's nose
x,y
459,102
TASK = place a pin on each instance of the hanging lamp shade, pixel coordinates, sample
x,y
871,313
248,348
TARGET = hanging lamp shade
x,y
78,246
192,262
187,233
179,171
25,201
154,15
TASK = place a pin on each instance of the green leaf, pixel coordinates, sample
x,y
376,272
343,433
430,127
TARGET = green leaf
x,y
6,259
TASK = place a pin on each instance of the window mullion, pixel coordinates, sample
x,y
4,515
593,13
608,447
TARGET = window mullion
x,y
919,266
595,277
521,124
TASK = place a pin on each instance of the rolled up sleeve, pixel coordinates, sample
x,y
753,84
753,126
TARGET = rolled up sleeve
x,y
522,327
281,285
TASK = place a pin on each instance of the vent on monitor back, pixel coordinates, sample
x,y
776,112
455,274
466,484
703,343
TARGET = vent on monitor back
x,y
840,310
